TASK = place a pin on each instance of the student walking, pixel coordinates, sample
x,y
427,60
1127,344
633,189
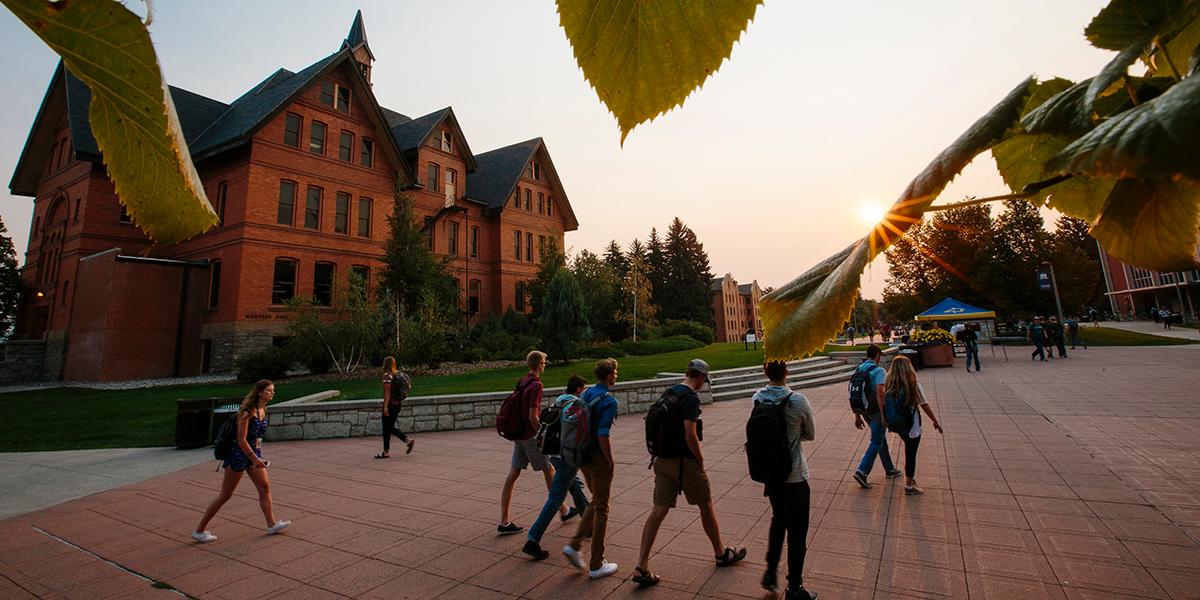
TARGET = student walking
x,y
789,498
566,478
679,468
904,395
597,467
1073,331
869,397
1037,335
1057,336
396,385
246,457
970,340
518,418
1165,314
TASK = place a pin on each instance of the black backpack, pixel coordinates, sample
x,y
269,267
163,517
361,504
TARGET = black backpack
x,y
862,393
401,385
768,449
549,436
225,439
664,426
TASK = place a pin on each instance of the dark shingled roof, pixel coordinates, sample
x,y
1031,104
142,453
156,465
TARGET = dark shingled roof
x,y
745,288
716,284
247,112
394,118
496,172
412,132
358,35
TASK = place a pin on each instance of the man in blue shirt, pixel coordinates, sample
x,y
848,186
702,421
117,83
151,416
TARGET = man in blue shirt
x,y
873,419
598,473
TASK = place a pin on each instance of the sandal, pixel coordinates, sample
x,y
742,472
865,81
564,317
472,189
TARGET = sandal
x,y
409,443
383,455
645,578
731,556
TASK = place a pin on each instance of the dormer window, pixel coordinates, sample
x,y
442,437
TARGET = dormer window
x,y
537,171
447,141
343,99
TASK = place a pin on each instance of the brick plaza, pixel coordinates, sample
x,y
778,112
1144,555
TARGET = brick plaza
x,y
1073,479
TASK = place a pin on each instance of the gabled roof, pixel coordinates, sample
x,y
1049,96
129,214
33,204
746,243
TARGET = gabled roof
x,y
394,118
717,284
746,288
498,171
411,133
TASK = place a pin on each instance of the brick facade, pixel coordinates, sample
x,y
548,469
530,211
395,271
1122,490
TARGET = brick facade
x,y
735,309
114,318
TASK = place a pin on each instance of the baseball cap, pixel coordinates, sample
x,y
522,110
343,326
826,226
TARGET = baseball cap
x,y
699,366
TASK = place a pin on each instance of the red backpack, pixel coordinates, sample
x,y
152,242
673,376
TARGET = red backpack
x,y
512,422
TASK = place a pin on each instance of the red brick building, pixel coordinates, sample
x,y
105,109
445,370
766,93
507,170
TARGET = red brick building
x,y
1133,290
735,309
302,170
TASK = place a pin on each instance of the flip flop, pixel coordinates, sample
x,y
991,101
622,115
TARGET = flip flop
x,y
645,578
730,556
382,455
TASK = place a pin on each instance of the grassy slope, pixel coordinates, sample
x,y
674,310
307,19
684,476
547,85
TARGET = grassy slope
x,y
1106,336
73,418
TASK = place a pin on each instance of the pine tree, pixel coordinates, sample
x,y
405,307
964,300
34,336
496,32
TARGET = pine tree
x,y
563,323
10,284
1019,244
656,267
616,259
411,270
688,294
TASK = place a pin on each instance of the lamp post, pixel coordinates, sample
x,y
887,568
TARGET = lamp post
x,y
1054,286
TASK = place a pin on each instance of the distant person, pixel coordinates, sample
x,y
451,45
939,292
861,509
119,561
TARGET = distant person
x,y
791,498
850,334
1094,316
1073,331
396,385
246,456
566,480
598,470
1055,333
1037,335
873,390
527,399
1154,314
680,470
1165,314
907,395
970,340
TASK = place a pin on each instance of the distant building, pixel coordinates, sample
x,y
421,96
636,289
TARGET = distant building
x,y
1133,290
735,309
302,170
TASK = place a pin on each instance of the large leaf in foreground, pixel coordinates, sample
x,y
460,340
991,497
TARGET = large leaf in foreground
x,y
800,316
645,58
1152,224
132,116
1121,22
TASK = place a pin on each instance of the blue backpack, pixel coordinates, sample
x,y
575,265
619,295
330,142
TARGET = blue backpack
x,y
899,417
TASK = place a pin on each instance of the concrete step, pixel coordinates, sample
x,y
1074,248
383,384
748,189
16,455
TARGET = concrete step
x,y
757,369
755,374
808,379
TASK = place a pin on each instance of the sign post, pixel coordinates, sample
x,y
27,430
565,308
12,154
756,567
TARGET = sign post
x,y
751,338
1047,281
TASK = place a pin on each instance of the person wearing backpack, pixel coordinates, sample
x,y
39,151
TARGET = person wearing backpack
x,y
245,456
903,395
678,463
566,478
779,421
396,385
866,391
518,421
596,463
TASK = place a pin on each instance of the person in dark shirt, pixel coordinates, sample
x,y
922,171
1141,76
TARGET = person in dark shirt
x,y
684,474
970,340
1055,333
1037,335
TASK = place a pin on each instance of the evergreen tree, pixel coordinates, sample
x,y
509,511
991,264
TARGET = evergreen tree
x,y
10,284
563,323
688,292
601,288
1076,261
552,262
411,270
616,259
1020,243
656,267
939,258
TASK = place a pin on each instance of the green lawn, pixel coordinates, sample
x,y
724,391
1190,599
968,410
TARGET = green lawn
x,y
76,418
1107,336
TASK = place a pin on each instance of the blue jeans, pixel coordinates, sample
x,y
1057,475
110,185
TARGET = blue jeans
x,y
972,351
878,446
565,480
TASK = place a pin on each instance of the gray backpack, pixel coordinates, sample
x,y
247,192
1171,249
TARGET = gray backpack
x,y
575,438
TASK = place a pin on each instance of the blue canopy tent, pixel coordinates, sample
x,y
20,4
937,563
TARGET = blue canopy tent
x,y
955,310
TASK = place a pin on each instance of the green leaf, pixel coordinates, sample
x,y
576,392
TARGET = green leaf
x,y
645,58
1062,113
1123,22
1156,139
132,116
800,316
1152,224
1174,48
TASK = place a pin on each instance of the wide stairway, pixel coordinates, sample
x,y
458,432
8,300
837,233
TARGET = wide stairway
x,y
734,384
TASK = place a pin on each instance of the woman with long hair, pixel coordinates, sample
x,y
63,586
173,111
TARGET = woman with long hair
x,y
901,385
246,457
396,384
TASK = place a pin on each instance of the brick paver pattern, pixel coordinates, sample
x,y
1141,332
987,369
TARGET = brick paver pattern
x,y
1072,479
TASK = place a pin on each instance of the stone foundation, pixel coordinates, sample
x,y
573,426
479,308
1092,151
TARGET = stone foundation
x,y
22,361
229,346
355,418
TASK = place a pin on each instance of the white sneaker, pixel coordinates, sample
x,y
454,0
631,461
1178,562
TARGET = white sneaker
x,y
277,527
573,556
203,537
605,570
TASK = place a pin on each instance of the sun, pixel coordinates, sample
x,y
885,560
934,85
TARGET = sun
x,y
871,212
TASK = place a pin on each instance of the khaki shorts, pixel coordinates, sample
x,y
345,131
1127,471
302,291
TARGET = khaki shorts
x,y
667,482
525,454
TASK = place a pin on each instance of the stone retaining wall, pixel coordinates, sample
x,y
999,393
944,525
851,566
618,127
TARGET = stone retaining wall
x,y
22,361
356,418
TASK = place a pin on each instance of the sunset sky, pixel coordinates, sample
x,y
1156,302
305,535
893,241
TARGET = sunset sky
x,y
820,110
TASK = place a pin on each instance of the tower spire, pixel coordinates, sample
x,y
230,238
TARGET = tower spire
x,y
356,41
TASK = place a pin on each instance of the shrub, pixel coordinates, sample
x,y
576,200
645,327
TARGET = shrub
x,y
693,329
659,346
268,363
471,355
602,350
931,336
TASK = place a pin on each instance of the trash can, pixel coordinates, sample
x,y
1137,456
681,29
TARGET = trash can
x,y
198,419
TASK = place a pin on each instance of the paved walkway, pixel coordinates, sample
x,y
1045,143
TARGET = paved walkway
x,y
1152,328
1072,479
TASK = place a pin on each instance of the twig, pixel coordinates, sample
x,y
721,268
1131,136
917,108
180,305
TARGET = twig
x,y
976,201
